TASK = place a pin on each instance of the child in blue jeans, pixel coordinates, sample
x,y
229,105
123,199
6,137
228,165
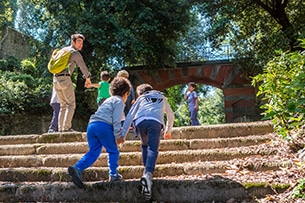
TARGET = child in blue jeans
x,y
147,114
104,130
192,99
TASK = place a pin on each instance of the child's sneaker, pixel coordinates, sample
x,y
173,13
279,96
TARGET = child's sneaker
x,y
51,131
115,177
146,186
76,176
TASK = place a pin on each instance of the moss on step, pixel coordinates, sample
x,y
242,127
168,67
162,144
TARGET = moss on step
x,y
275,186
181,143
42,172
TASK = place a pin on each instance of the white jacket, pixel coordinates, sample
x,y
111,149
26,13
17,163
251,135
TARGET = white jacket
x,y
151,105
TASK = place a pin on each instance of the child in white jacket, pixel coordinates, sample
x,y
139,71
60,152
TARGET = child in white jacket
x,y
147,115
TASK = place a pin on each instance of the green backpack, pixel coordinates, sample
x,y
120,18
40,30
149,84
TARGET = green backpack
x,y
59,60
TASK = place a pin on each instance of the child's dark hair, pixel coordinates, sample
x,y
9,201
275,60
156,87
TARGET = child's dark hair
x,y
105,75
119,86
192,84
144,88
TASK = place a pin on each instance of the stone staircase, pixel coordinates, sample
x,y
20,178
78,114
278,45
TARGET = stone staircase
x,y
191,167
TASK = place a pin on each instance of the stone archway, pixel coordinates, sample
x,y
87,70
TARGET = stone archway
x,y
240,99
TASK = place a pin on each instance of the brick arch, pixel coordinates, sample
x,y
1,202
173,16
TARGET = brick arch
x,y
239,95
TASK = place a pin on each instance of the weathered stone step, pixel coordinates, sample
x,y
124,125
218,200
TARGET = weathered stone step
x,y
134,158
47,174
189,132
204,189
132,146
207,190
191,167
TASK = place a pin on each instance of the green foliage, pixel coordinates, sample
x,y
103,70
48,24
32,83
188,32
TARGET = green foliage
x,y
3,64
131,32
299,190
12,96
211,108
282,87
28,80
21,88
28,67
8,10
13,63
174,96
254,29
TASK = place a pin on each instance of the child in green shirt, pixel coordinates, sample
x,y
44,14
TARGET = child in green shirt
x,y
103,87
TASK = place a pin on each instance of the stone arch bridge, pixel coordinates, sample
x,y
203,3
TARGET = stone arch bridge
x,y
239,95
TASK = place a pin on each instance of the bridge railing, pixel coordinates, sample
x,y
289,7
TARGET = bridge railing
x,y
206,53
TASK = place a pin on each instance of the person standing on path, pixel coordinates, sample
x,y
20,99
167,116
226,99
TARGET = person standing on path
x,y
104,130
64,86
54,103
191,96
102,87
147,114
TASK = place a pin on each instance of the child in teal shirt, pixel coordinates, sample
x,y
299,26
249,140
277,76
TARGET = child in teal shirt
x,y
103,87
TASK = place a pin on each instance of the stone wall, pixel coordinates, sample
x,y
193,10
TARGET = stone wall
x,y
14,43
33,124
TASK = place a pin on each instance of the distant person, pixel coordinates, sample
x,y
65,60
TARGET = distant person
x,y
104,130
191,96
64,86
132,97
147,114
103,87
54,103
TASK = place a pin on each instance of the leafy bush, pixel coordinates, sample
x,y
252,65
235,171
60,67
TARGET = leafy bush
x,y
3,64
22,93
27,79
12,96
282,87
13,63
28,67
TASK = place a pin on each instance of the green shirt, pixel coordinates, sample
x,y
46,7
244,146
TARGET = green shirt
x,y
103,91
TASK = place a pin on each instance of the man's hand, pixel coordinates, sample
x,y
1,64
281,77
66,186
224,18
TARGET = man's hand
x,y
87,83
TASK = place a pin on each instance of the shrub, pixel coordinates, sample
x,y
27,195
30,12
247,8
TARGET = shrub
x,y
27,79
3,64
282,86
28,67
22,93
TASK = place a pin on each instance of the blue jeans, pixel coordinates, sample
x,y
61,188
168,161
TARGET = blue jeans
x,y
150,134
100,134
193,117
54,121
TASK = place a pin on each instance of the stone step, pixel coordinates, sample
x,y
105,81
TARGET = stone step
x,y
132,146
201,188
167,170
188,132
187,191
193,166
134,158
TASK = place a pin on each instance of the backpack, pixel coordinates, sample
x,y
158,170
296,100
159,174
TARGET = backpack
x,y
59,60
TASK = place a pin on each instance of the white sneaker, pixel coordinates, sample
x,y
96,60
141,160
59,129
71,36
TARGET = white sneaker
x,y
146,186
